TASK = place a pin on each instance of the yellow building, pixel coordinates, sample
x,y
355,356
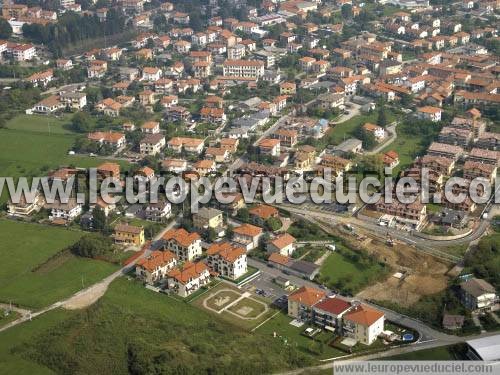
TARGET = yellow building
x,y
129,234
208,218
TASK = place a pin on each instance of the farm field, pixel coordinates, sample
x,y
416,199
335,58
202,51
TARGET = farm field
x,y
33,273
138,326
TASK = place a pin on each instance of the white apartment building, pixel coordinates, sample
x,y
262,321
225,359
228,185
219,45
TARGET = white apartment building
x,y
243,68
228,261
155,267
152,144
186,246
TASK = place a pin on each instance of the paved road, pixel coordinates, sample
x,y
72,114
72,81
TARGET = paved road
x,y
429,337
240,161
431,246
309,213
90,294
427,333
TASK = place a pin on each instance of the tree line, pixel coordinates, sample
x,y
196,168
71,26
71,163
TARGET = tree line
x,y
72,28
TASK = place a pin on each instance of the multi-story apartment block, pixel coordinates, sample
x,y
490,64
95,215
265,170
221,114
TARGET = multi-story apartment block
x,y
155,267
185,245
243,68
226,260
188,279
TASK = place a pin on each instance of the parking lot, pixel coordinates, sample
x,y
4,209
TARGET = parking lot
x,y
264,286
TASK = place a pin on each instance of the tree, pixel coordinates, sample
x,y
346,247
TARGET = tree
x,y
382,117
92,246
273,224
346,11
212,235
367,137
100,220
82,122
5,29
243,214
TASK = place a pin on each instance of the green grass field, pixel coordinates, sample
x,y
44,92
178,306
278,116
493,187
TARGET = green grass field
x,y
280,324
132,327
28,149
442,353
30,274
5,319
346,129
347,274
41,124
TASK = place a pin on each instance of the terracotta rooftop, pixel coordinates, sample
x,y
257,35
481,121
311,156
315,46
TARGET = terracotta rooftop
x,y
307,296
181,236
155,260
363,315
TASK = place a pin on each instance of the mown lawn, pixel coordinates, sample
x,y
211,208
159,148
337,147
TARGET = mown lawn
x,y
407,147
339,132
134,328
349,271
31,275
291,335
41,124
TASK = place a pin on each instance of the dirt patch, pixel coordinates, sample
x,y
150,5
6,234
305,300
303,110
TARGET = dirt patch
x,y
53,263
407,291
424,274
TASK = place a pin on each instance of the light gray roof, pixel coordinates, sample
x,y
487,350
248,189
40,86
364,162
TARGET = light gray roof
x,y
208,212
477,287
488,348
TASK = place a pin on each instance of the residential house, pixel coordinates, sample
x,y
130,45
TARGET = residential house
x,y
129,235
207,218
191,145
26,207
301,302
174,165
243,68
150,127
247,235
226,260
377,131
287,138
185,245
73,100
158,212
478,294
328,313
155,267
283,244
64,212
270,146
152,144
260,213
114,140
188,279
364,324
429,113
